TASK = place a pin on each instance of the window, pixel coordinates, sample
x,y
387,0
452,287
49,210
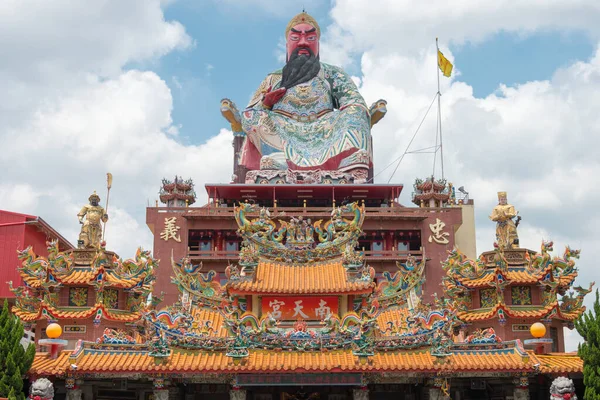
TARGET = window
x,y
231,246
521,295
487,297
78,296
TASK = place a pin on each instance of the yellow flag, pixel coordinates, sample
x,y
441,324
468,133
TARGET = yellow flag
x,y
444,64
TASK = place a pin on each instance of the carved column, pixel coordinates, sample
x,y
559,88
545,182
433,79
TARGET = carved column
x,y
73,390
521,388
237,394
74,394
435,390
161,391
361,393
161,394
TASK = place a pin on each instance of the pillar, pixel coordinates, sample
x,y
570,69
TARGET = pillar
x,y
161,391
74,394
236,393
161,394
73,390
361,393
435,390
521,391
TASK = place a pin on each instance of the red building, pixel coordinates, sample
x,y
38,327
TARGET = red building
x,y
17,232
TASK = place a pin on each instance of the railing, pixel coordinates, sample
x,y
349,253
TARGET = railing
x,y
213,254
227,212
370,255
394,255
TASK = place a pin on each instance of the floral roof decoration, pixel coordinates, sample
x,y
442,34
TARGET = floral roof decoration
x,y
495,271
93,269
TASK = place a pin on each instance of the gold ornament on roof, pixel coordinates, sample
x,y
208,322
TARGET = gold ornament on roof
x,y
507,221
303,18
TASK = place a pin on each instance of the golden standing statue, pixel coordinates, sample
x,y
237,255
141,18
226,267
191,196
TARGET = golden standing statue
x,y
506,228
91,231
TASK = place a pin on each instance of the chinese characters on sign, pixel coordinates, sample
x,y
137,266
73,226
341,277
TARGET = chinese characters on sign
x,y
298,379
437,232
170,231
292,308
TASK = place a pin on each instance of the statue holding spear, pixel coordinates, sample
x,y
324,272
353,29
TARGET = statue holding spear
x,y
92,232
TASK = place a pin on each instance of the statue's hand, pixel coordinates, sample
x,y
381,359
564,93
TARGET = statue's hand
x,y
272,97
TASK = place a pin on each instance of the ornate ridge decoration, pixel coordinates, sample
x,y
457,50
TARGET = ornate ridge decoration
x,y
195,286
45,277
396,287
297,240
115,336
427,189
177,189
501,268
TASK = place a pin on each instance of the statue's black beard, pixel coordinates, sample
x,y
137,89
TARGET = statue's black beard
x,y
300,68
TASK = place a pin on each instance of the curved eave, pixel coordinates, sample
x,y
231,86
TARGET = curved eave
x,y
190,363
58,313
539,312
513,277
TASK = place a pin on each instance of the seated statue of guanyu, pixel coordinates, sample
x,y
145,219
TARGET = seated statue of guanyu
x,y
308,115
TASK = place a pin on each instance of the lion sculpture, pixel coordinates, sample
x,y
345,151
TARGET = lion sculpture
x,y
41,389
562,388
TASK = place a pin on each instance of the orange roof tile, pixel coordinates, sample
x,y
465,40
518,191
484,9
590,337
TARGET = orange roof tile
x,y
395,315
75,313
560,363
103,361
325,277
517,312
515,276
202,315
78,276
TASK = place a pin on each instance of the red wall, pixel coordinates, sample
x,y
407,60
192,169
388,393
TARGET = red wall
x,y
13,238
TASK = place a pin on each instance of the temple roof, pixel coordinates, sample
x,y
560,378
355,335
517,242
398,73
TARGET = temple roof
x,y
316,278
560,363
498,270
515,276
116,361
518,312
94,269
98,310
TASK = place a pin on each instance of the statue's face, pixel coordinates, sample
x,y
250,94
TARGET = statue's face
x,y
503,201
303,37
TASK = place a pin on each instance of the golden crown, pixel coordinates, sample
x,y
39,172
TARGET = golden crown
x,y
501,195
302,18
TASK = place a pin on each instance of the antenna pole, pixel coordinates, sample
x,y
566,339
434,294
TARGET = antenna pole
x,y
439,94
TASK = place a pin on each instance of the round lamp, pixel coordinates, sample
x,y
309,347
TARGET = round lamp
x,y
537,330
53,331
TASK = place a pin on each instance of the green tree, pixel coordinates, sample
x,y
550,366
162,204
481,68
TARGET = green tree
x,y
14,359
588,326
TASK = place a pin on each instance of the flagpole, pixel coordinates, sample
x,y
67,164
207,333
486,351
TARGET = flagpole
x,y
439,94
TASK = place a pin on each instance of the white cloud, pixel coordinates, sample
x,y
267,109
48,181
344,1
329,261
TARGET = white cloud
x,y
71,112
389,25
539,141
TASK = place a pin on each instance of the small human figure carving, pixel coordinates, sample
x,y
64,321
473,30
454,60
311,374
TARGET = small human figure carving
x,y
91,231
506,228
